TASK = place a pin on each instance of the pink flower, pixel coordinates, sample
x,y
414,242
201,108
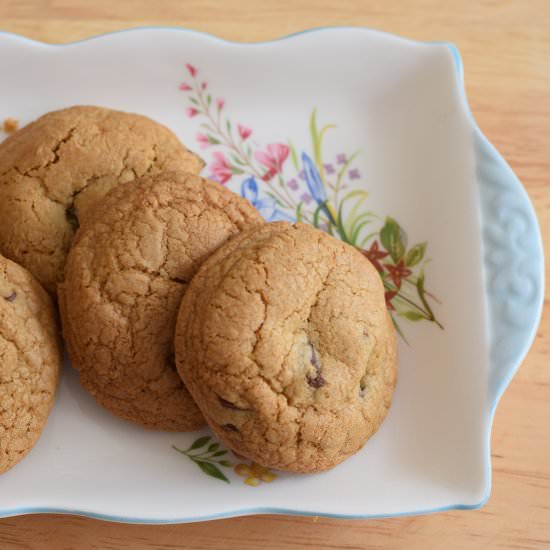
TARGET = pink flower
x,y
191,69
273,159
203,85
220,103
220,168
191,112
203,140
185,87
244,132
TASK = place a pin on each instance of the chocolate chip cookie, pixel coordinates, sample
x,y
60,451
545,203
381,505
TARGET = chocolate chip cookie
x,y
125,276
284,341
53,170
30,361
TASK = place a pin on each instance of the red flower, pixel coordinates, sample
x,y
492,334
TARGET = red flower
x,y
374,254
191,112
185,87
203,85
273,159
203,140
398,272
220,168
191,69
244,132
220,103
389,295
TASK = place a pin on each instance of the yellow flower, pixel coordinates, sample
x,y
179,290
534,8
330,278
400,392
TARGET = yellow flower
x,y
254,474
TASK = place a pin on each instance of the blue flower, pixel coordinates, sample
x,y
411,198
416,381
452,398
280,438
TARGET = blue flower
x,y
316,187
266,206
313,180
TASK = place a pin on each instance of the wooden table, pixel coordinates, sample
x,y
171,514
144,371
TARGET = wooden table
x,y
506,50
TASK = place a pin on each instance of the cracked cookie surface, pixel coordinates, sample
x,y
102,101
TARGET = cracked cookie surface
x,y
54,170
125,276
30,361
284,341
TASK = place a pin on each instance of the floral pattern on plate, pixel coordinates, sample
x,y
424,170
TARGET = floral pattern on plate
x,y
207,455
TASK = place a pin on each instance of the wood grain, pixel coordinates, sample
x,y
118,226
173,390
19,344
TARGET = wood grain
x,y
506,51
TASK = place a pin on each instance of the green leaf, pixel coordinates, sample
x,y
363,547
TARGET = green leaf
x,y
212,140
317,141
193,101
228,126
415,254
294,156
351,218
226,463
211,470
299,212
200,442
393,239
313,132
236,170
422,294
340,223
220,453
213,447
412,315
209,99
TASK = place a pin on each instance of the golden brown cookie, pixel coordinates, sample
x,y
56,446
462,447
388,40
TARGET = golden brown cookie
x,y
284,341
53,170
124,279
30,361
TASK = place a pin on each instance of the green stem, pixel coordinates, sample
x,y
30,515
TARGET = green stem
x,y
229,142
401,296
412,281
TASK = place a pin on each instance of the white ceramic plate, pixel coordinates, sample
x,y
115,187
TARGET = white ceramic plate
x,y
405,157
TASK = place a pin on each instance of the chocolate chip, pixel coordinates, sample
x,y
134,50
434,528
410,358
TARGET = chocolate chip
x,y
11,297
229,405
230,428
70,215
316,381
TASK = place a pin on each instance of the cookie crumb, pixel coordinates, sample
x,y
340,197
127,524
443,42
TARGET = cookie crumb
x,y
11,125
